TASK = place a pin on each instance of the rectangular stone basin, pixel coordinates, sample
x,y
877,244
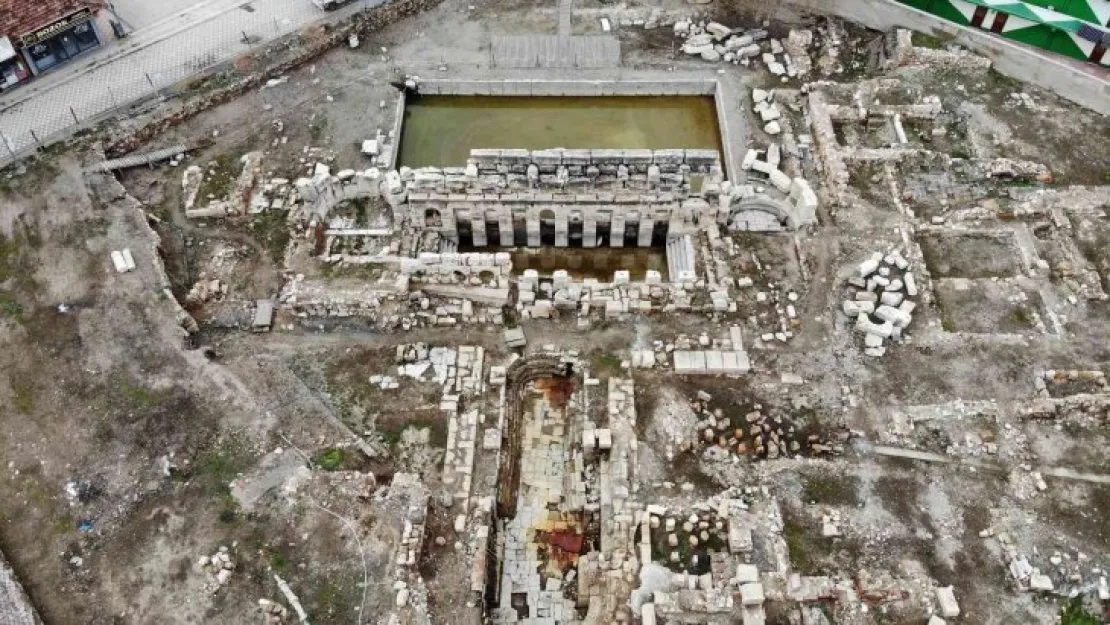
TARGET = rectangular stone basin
x,y
440,130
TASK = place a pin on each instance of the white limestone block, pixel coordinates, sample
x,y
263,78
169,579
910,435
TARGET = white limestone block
x,y
890,298
893,315
911,284
751,594
946,599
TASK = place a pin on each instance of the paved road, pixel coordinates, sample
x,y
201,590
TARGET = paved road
x,y
139,14
156,56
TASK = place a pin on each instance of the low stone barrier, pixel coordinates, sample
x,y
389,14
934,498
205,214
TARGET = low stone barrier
x,y
555,87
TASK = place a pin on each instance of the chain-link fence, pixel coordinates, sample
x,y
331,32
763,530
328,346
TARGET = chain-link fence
x,y
58,111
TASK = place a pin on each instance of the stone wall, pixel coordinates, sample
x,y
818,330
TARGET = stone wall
x,y
459,267
323,191
567,189
556,87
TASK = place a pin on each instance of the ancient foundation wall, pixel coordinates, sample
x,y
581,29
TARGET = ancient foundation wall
x,y
629,193
720,90
459,265
555,87
398,124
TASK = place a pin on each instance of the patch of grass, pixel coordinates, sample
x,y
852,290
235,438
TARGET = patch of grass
x,y
136,395
936,41
606,363
1020,316
832,490
217,466
63,524
796,546
229,513
331,459
271,230
41,168
1075,614
24,393
317,127
278,560
392,429
218,178
10,306
15,258
947,323
332,599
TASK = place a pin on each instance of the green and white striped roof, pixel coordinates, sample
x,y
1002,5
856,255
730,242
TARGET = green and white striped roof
x,y
1032,13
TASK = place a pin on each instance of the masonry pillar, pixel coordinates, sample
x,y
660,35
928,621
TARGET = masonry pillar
x,y
562,229
532,227
449,228
647,228
616,229
724,208
505,225
589,228
478,228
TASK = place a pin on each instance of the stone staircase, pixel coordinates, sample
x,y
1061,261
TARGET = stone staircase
x,y
681,258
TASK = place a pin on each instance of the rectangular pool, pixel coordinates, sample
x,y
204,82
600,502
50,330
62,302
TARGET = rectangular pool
x,y
440,130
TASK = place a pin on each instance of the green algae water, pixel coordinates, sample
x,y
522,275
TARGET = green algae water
x,y
441,130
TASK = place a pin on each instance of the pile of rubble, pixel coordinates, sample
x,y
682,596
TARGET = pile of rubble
x,y
218,566
204,291
881,290
756,435
768,111
692,533
714,41
273,613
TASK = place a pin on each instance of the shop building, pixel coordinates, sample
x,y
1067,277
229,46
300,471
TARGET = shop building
x,y
38,36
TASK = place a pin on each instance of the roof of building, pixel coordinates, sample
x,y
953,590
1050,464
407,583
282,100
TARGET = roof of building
x,y
19,17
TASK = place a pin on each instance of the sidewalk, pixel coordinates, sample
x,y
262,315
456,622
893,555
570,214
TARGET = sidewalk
x,y
155,57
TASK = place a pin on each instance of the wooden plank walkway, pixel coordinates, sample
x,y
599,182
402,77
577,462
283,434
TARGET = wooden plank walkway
x,y
135,160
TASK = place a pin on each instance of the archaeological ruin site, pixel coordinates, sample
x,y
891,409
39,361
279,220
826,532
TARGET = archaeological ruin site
x,y
574,312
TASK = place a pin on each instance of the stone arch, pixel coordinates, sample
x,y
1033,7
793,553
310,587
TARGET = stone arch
x,y
547,214
766,204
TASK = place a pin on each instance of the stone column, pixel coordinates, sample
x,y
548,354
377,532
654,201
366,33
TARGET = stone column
x,y
562,229
589,228
478,229
724,206
616,228
647,228
532,227
448,227
505,225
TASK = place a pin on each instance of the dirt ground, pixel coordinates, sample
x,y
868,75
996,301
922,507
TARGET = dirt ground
x,y
129,449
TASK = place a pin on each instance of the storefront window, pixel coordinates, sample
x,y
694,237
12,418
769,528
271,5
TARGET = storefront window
x,y
54,44
85,36
43,55
12,72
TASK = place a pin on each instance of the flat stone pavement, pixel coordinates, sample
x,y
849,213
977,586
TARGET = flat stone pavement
x,y
15,606
152,58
